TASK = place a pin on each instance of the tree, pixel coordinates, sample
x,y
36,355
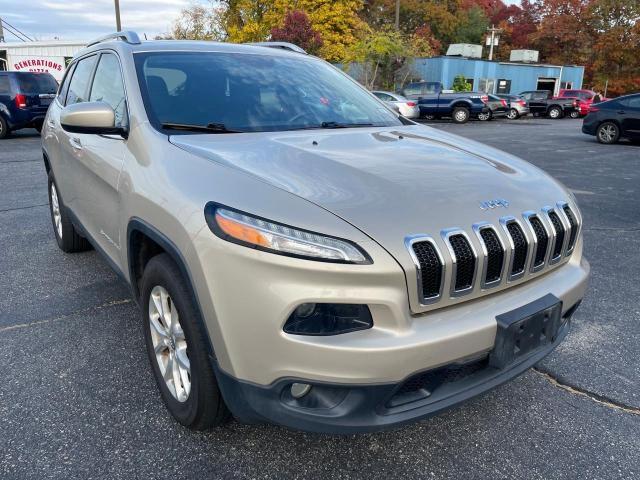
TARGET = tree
x,y
198,22
381,55
460,84
297,29
472,26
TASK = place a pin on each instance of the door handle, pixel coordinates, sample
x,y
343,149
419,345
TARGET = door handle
x,y
75,143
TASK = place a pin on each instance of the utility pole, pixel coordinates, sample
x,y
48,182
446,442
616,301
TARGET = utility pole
x,y
493,31
118,26
1,31
397,14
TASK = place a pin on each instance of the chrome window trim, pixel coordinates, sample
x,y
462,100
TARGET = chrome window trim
x,y
477,228
561,205
527,216
409,241
446,234
504,221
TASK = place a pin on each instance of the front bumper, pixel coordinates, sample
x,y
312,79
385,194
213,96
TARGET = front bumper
x,y
348,409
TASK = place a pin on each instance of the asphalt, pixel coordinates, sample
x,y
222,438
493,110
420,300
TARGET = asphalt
x,y
77,399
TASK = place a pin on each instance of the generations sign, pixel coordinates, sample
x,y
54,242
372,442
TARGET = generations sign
x,y
53,65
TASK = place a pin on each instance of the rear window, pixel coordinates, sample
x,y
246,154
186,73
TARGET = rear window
x,y
37,83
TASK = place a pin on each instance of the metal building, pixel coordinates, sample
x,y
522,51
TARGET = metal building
x,y
499,77
52,56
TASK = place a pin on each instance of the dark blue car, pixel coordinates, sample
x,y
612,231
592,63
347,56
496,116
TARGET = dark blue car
x,y
24,100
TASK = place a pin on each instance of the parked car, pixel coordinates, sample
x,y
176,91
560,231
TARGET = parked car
x,y
542,102
518,106
301,255
614,119
24,99
435,103
403,106
497,108
585,99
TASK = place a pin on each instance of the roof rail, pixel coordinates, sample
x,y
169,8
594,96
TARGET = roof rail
x,y
282,45
127,36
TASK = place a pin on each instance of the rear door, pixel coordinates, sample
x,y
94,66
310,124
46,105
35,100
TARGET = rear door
x,y
100,158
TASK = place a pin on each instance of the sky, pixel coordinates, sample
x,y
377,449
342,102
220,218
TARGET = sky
x,y
84,20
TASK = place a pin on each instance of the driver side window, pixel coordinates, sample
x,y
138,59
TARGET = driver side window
x,y
108,87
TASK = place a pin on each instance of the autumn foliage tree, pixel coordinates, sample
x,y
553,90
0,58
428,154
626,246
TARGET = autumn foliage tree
x,y
297,29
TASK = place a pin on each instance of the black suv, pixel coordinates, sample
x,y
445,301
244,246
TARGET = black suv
x,y
24,100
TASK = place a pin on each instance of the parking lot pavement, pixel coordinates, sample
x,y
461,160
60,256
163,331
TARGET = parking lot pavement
x,y
77,399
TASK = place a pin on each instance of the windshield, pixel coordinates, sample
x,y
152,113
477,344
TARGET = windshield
x,y
252,92
35,83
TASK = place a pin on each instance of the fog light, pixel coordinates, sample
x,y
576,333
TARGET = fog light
x,y
299,390
328,319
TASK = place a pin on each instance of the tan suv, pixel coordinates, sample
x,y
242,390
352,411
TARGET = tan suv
x,y
301,254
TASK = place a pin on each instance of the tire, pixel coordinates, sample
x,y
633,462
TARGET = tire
x,y
191,393
555,113
513,114
483,117
460,115
608,133
4,128
575,114
68,239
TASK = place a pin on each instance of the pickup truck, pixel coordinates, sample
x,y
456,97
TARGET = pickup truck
x,y
434,102
542,102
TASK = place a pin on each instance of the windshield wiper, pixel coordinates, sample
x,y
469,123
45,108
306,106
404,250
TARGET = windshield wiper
x,y
344,125
209,128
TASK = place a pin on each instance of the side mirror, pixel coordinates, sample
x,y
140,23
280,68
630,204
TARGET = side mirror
x,y
90,117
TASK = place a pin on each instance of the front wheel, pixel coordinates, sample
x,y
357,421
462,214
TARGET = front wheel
x,y
555,113
608,133
461,115
513,114
177,347
483,117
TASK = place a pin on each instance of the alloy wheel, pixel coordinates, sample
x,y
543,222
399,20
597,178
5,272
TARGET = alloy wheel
x,y
55,209
554,113
169,343
484,116
512,114
461,116
607,133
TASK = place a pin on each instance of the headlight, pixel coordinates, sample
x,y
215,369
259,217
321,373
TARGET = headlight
x,y
239,227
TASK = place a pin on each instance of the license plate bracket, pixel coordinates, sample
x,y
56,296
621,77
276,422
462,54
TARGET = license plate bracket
x,y
526,329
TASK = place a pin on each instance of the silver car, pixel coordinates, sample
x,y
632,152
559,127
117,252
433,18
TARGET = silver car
x,y
405,107
301,254
518,106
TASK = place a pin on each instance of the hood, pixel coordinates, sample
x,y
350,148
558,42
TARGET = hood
x,y
388,182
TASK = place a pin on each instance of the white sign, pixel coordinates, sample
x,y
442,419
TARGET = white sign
x,y
29,63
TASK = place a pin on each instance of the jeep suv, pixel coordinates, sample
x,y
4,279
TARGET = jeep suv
x,y
301,254
24,100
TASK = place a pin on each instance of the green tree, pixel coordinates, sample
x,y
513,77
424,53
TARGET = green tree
x,y
460,84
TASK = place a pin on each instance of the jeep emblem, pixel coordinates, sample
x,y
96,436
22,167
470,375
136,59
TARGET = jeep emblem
x,y
491,204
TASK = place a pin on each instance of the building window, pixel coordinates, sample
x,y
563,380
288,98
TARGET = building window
x,y
504,86
487,85
566,85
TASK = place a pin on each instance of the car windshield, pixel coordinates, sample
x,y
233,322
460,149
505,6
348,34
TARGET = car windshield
x,y
32,83
252,93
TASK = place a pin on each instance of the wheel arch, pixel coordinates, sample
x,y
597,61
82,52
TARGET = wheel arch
x,y
144,241
461,103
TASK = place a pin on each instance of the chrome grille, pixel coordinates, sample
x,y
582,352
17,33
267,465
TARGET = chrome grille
x,y
520,248
524,246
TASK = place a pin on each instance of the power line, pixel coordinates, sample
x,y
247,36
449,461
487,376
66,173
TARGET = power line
x,y
20,32
13,33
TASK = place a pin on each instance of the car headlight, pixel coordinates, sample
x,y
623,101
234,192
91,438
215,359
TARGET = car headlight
x,y
262,234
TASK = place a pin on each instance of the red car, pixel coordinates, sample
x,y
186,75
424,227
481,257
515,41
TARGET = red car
x,y
585,99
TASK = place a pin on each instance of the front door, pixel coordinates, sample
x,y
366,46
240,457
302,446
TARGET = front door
x,y
629,114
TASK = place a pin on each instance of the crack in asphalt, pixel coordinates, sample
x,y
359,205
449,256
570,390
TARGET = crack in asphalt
x,y
62,317
579,391
24,208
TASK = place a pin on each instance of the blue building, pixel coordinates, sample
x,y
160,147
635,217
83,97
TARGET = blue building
x,y
498,77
